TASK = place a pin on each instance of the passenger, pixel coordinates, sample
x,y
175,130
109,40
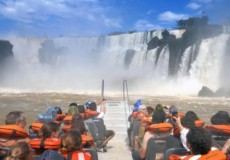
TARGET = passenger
x,y
20,151
78,123
73,109
50,130
192,114
220,118
109,134
139,150
184,125
150,111
71,146
14,118
200,145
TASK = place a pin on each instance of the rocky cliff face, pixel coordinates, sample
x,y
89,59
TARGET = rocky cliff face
x,y
5,50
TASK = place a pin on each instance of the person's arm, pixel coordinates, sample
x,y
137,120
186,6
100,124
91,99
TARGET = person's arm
x,y
142,150
226,146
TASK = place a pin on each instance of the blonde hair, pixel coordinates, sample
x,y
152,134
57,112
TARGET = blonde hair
x,y
19,151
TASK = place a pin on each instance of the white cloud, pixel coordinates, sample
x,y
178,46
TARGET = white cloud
x,y
170,16
48,13
142,25
193,5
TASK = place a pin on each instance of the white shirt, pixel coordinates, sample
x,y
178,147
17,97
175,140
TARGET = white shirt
x,y
183,134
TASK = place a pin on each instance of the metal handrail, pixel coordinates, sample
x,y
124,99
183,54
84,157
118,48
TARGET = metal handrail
x,y
102,88
126,101
125,92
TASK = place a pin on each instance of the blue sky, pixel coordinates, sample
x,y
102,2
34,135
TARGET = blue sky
x,y
36,18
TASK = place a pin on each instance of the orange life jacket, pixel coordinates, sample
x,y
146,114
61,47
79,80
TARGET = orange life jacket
x,y
60,117
90,113
138,115
66,128
86,139
147,120
48,143
68,119
219,128
36,126
199,123
159,127
211,155
78,155
13,131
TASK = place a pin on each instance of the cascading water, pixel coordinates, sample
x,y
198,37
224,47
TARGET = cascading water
x,y
78,64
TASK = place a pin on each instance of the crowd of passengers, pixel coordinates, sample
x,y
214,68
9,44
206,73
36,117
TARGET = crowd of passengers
x,y
162,133
55,135
153,133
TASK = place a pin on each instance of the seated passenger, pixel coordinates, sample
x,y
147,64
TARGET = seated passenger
x,y
220,118
139,151
109,134
20,151
78,123
18,119
47,138
50,130
184,125
200,144
71,146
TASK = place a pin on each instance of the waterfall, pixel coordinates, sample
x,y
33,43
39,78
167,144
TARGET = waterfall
x,y
78,64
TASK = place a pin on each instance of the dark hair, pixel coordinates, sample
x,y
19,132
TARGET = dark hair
x,y
200,140
73,104
47,130
221,117
78,123
71,141
187,122
159,107
93,106
158,116
13,117
58,109
19,151
81,108
192,115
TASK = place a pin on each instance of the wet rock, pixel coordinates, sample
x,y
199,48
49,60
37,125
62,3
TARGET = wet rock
x,y
206,92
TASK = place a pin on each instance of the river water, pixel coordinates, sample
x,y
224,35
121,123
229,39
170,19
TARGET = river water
x,y
34,103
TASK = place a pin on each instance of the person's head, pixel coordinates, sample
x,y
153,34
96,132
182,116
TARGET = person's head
x,y
49,130
199,140
187,122
58,109
192,115
92,106
221,117
72,110
20,151
150,110
71,141
159,116
73,104
16,117
142,108
159,107
78,123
